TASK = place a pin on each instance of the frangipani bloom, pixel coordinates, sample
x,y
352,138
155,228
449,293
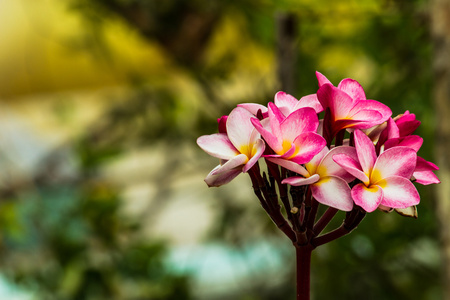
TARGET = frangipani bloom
x,y
423,173
286,103
398,133
327,180
239,148
348,105
293,137
385,179
400,126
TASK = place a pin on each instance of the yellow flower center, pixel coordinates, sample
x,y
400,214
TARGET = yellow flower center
x,y
248,150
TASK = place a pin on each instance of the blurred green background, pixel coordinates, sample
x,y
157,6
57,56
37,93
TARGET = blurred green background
x,y
101,182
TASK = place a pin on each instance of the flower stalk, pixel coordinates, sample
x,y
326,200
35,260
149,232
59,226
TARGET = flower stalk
x,y
373,163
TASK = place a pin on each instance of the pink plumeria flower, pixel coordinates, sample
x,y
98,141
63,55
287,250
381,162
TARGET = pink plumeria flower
x,y
239,148
406,123
348,105
400,126
286,103
385,180
222,124
294,137
398,133
423,172
327,180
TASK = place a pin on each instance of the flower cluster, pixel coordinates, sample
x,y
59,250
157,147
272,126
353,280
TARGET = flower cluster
x,y
357,155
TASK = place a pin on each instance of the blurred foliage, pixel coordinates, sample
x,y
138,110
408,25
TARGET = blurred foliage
x,y
68,240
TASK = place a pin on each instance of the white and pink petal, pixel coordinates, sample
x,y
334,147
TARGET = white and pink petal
x,y
396,161
365,151
259,148
309,101
219,177
236,162
328,167
285,102
300,121
297,181
351,165
253,108
312,165
369,198
352,88
308,144
239,127
290,165
272,141
334,192
338,101
217,145
398,192
372,105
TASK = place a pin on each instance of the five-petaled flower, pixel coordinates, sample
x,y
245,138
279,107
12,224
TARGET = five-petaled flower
x,y
293,137
385,179
239,148
348,106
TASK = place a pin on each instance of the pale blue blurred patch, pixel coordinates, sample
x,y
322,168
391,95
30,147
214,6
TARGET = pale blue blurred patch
x,y
218,268
11,292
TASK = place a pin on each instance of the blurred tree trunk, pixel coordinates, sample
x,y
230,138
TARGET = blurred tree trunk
x,y
287,51
440,27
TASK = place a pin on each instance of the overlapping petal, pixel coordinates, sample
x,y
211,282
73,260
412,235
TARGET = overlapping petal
x,y
351,166
223,174
307,145
398,192
352,88
293,137
411,141
297,181
290,165
288,104
369,198
322,79
257,152
222,124
397,161
423,174
338,101
253,108
365,151
217,145
334,192
309,101
217,178
302,120
407,123
328,167
312,165
349,107
240,128
371,105
285,102
235,162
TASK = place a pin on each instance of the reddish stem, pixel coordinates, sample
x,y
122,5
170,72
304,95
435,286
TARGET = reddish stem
x,y
303,257
324,220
